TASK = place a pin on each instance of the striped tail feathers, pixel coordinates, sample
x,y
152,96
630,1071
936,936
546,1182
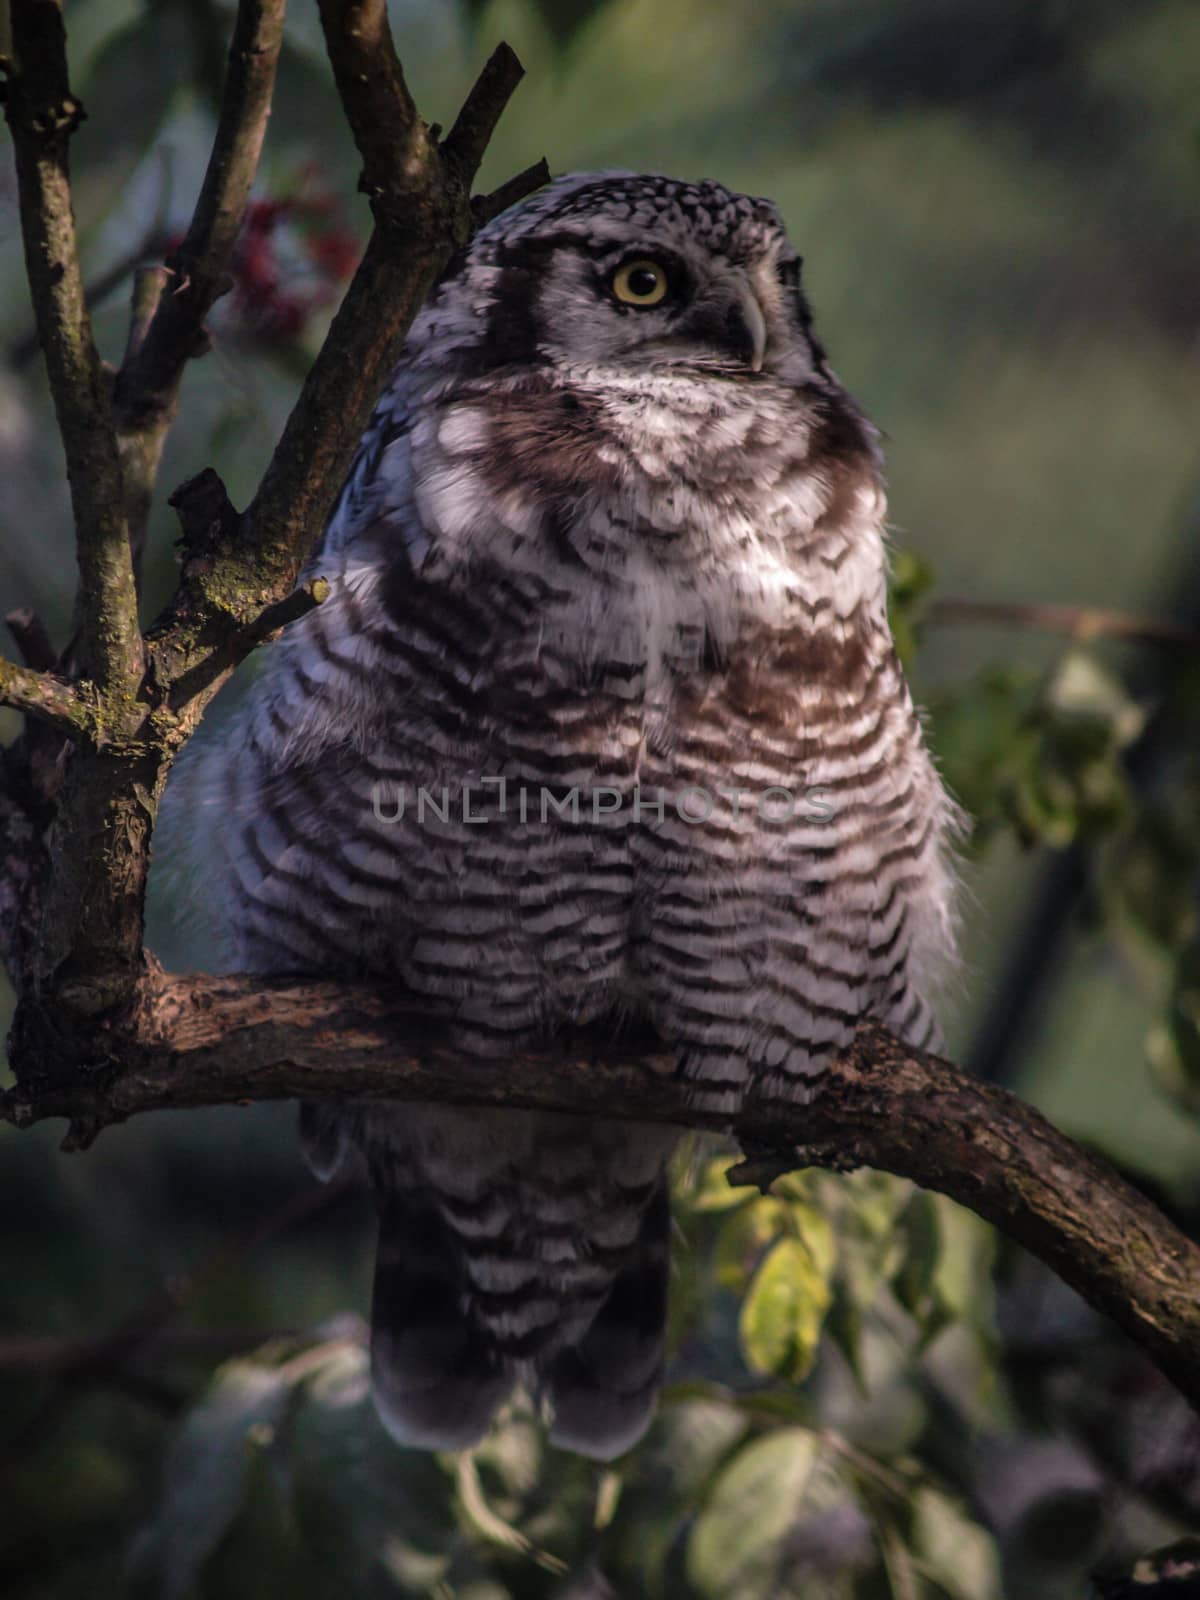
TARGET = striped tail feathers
x,y
603,1390
437,1379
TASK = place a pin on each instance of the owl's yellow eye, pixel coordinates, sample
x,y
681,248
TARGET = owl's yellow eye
x,y
640,283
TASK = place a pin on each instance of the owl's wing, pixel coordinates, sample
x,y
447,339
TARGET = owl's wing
x,y
378,487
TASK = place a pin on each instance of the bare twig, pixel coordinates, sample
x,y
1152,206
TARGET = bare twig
x,y
1084,622
32,640
297,604
42,114
171,302
199,267
51,699
463,147
417,223
486,206
141,445
202,1041
23,350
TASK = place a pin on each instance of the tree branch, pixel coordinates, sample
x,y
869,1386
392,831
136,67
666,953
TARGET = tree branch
x,y
420,199
42,114
389,132
418,220
1085,622
24,349
247,563
198,269
238,582
468,139
52,699
204,1041
486,206
32,640
171,302
141,442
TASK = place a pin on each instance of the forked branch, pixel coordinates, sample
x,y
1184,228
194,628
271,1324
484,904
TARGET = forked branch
x,y
80,949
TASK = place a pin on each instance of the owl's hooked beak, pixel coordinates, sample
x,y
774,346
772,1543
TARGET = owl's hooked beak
x,y
756,327
728,322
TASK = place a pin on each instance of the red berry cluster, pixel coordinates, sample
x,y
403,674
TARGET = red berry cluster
x,y
292,255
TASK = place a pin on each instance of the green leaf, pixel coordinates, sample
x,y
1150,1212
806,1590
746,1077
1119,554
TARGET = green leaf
x,y
733,1552
955,1552
897,1560
1082,688
914,1282
816,1234
360,1500
984,740
1148,882
1183,1016
207,1474
1173,1050
742,1239
911,581
781,1320
945,1274
844,1325
865,1210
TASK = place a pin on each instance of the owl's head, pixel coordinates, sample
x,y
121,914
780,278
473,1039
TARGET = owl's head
x,y
619,376
614,270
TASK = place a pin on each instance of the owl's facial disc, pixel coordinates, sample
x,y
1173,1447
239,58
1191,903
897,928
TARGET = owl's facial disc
x,y
615,276
642,305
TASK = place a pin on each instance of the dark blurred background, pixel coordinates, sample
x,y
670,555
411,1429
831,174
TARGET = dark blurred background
x,y
996,201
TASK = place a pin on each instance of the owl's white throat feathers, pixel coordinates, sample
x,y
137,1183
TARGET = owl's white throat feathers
x,y
695,509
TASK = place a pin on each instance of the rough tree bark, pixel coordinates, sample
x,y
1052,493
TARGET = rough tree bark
x,y
101,1033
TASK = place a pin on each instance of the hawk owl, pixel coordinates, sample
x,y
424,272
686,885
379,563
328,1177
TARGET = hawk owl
x,y
601,719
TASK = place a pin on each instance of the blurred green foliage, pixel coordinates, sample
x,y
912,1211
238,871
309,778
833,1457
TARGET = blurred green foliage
x,y
996,200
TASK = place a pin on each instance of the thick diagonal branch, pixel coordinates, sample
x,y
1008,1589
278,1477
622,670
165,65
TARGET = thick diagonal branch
x,y
420,200
421,206
206,1041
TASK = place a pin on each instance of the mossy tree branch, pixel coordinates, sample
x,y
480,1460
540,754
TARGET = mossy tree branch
x,y
205,1041
68,707
42,114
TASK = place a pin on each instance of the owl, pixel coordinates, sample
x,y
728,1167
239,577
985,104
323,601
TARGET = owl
x,y
601,722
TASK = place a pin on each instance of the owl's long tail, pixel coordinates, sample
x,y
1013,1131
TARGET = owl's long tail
x,y
440,1376
438,1380
473,1294
603,1390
